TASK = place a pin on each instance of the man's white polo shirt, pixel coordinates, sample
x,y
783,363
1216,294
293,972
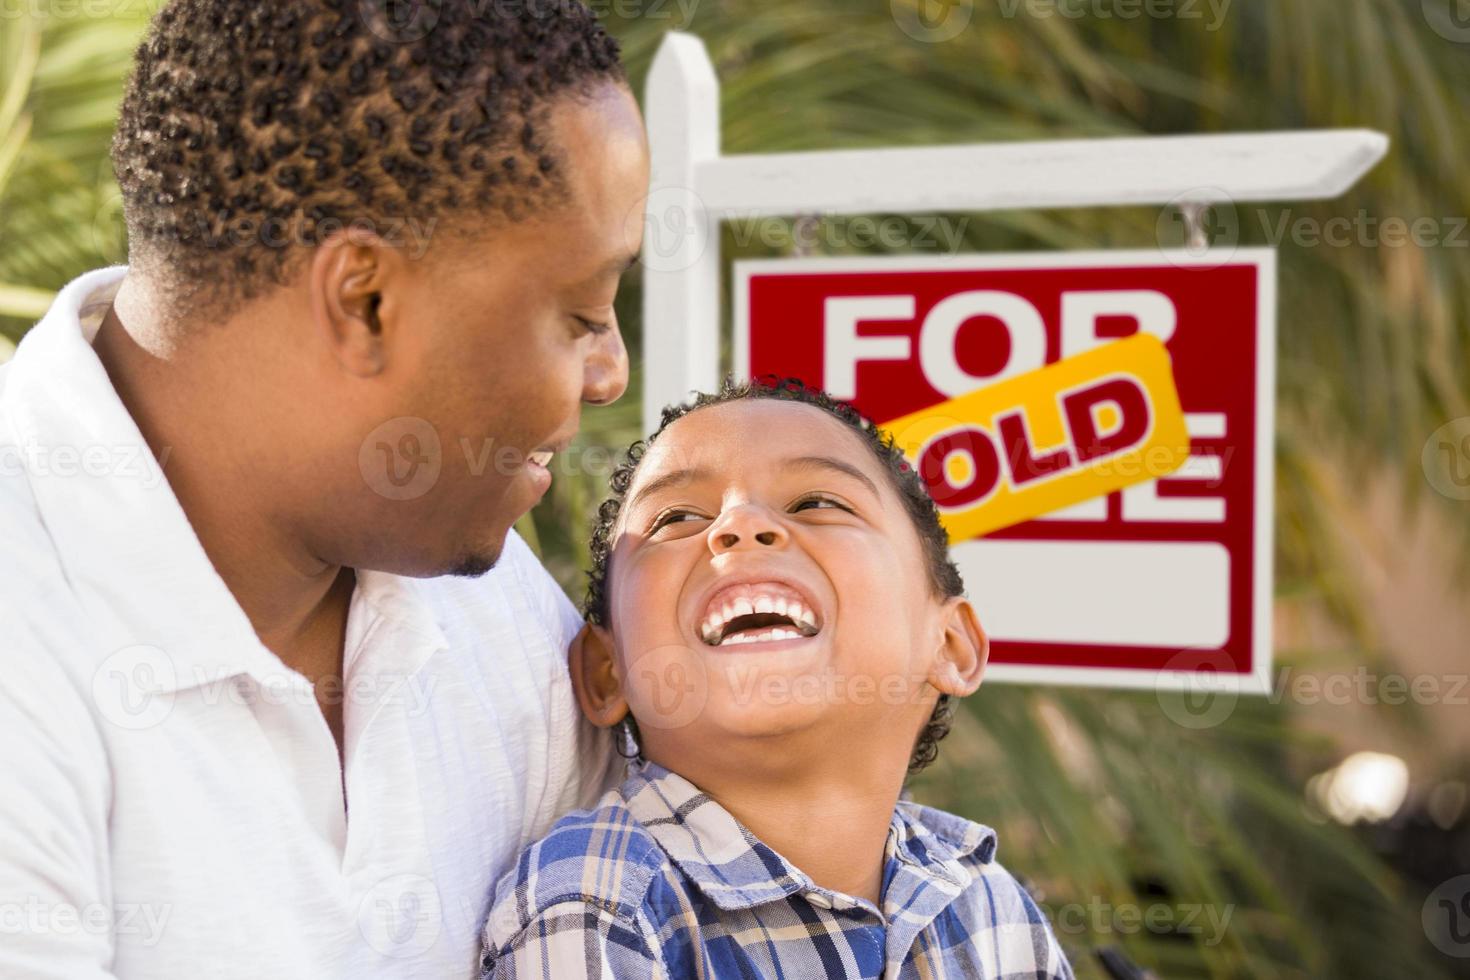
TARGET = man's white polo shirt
x,y
172,801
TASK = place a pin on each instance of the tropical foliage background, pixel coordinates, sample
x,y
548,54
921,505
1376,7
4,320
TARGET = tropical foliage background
x,y
1103,800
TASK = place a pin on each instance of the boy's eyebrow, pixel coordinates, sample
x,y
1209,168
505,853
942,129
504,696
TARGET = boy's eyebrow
x,y
673,478
684,477
828,463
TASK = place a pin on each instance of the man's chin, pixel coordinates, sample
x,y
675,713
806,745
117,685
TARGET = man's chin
x,y
473,565
476,554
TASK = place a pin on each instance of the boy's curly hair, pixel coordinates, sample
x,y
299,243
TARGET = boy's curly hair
x,y
943,575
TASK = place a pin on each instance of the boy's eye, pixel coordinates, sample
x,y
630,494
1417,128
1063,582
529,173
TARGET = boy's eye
x,y
818,501
672,517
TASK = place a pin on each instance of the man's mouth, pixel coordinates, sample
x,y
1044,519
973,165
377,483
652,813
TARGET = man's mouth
x,y
542,455
757,612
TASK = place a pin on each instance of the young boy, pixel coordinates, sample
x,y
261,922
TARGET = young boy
x,y
774,621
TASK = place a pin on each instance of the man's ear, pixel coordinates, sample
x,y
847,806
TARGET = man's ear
x,y
964,649
346,279
595,677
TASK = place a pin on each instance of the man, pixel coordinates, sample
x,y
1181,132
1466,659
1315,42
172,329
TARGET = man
x,y
282,691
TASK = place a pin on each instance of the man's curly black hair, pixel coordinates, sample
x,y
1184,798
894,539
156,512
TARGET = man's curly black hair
x,y
944,577
259,124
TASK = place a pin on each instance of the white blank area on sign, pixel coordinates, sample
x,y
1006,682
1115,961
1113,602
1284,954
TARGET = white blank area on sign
x,y
1103,593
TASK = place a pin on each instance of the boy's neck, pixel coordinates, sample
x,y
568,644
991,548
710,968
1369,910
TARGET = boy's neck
x,y
831,822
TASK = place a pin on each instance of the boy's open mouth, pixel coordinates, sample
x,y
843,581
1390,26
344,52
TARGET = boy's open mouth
x,y
757,612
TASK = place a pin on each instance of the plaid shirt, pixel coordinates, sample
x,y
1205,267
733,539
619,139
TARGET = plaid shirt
x,y
661,882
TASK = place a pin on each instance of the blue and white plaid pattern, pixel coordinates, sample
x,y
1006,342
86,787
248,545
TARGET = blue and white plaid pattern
x,y
659,881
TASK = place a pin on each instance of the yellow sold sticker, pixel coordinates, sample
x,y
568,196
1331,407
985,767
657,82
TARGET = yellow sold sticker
x,y
1074,430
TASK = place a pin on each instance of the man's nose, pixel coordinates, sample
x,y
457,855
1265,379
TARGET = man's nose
x,y
605,376
746,526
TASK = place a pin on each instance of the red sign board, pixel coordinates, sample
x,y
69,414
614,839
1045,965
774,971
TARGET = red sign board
x,y
1148,586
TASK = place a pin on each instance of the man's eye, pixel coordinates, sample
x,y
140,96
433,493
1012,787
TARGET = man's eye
x,y
818,502
672,517
593,326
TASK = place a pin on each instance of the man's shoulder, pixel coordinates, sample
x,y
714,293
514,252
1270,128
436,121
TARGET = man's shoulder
x,y
36,598
600,857
45,654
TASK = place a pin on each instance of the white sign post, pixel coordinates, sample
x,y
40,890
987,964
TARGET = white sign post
x,y
694,187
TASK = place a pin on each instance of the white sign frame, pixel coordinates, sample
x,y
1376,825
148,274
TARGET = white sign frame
x,y
694,187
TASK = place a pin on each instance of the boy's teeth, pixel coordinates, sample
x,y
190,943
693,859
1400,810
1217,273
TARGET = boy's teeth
x,y
772,600
770,635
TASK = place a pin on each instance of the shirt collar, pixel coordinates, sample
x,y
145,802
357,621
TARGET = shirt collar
x,y
387,603
929,859
123,541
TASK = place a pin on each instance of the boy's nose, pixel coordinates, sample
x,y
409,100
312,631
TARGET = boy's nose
x,y
746,526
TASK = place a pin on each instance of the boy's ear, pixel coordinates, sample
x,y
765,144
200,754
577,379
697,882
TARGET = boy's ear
x,y
964,649
595,676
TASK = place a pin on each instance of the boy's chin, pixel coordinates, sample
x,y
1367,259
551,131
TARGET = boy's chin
x,y
763,722
771,737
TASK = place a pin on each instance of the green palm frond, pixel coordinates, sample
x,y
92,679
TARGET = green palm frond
x,y
60,82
